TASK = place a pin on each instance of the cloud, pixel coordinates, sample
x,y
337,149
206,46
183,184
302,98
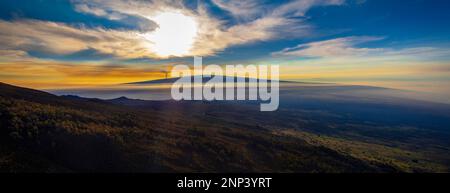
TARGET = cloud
x,y
264,22
213,35
298,8
339,47
242,9
13,55
347,48
83,8
349,60
213,40
263,8
59,38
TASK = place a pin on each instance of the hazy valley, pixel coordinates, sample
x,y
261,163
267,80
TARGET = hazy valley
x,y
318,128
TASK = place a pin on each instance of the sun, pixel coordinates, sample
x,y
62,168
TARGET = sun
x,y
174,36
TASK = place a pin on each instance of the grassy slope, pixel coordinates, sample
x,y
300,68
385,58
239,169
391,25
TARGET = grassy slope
x,y
400,158
45,133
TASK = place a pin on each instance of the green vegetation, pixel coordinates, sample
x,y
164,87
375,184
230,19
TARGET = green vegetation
x,y
40,132
46,133
400,159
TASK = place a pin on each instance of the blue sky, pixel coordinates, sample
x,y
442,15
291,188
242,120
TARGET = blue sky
x,y
404,24
344,41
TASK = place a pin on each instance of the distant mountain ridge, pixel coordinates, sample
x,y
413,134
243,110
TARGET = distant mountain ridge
x,y
203,78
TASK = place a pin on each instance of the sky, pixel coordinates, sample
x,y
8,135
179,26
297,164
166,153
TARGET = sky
x,y
50,44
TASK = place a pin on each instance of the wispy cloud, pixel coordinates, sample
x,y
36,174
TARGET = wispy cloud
x,y
84,8
349,60
268,22
243,10
350,48
331,48
213,35
59,38
298,8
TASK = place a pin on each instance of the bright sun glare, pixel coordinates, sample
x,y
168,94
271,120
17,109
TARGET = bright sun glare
x,y
174,36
